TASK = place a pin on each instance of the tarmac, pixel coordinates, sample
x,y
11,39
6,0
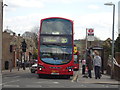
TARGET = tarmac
x,y
78,77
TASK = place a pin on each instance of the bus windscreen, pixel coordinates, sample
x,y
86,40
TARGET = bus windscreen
x,y
56,26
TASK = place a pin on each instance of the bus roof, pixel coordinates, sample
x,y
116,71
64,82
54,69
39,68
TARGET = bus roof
x,y
57,17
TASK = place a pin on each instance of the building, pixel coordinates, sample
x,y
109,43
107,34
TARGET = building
x,y
12,49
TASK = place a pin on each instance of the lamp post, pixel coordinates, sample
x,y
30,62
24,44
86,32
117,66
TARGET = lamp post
x,y
111,4
1,28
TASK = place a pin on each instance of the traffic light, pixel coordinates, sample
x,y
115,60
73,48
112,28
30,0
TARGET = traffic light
x,y
11,48
24,45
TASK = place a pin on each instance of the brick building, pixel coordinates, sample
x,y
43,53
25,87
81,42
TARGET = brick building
x,y
12,49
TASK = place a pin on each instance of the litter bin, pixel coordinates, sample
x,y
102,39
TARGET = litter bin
x,y
6,65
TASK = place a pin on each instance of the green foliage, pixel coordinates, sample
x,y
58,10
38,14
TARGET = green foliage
x,y
107,46
117,44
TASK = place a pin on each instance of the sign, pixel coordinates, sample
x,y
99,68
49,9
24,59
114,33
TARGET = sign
x,y
50,39
90,34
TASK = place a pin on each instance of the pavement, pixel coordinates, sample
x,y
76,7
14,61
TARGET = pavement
x,y
14,71
105,79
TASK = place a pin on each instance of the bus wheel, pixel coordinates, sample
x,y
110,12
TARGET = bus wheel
x,y
39,75
67,77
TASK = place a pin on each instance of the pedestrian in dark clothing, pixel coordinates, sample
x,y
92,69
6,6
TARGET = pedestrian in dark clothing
x,y
97,65
89,64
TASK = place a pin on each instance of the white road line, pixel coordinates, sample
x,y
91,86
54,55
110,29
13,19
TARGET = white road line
x,y
10,82
48,82
83,85
56,82
106,86
11,86
34,86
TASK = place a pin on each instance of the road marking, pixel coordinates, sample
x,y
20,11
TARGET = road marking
x,y
48,82
34,86
11,81
56,82
11,86
83,85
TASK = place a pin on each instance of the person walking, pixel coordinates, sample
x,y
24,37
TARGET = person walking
x,y
89,64
97,64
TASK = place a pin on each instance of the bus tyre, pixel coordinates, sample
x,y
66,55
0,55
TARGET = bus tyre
x,y
32,71
67,77
39,76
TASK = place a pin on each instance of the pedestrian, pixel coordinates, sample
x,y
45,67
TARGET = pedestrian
x,y
89,65
17,60
10,65
97,64
18,64
83,66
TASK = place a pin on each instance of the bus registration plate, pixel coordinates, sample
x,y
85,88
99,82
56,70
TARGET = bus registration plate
x,y
54,73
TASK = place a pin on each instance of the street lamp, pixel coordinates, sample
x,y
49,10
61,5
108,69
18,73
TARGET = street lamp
x,y
1,30
111,4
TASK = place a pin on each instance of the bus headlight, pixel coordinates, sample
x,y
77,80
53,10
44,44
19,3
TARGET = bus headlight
x,y
40,67
70,68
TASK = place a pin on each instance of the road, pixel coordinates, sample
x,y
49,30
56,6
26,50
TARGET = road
x,y
25,79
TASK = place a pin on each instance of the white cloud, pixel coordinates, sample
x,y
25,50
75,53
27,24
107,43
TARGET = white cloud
x,y
25,3
101,22
93,7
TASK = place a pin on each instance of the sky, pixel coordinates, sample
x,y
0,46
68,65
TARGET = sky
x,y
23,15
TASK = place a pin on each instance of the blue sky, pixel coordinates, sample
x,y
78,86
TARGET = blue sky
x,y
23,15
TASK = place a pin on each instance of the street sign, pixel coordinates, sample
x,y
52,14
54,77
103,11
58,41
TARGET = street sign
x,y
90,34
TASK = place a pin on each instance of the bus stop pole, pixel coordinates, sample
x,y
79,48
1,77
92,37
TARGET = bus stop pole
x,y
86,46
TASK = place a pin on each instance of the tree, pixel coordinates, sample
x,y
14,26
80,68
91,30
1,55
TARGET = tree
x,y
107,46
117,44
31,35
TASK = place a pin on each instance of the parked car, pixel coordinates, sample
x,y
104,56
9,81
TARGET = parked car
x,y
34,68
33,61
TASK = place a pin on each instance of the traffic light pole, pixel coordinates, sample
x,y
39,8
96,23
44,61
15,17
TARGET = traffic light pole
x,y
24,45
23,61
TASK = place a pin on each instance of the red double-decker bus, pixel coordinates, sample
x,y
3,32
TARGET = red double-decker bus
x,y
55,47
